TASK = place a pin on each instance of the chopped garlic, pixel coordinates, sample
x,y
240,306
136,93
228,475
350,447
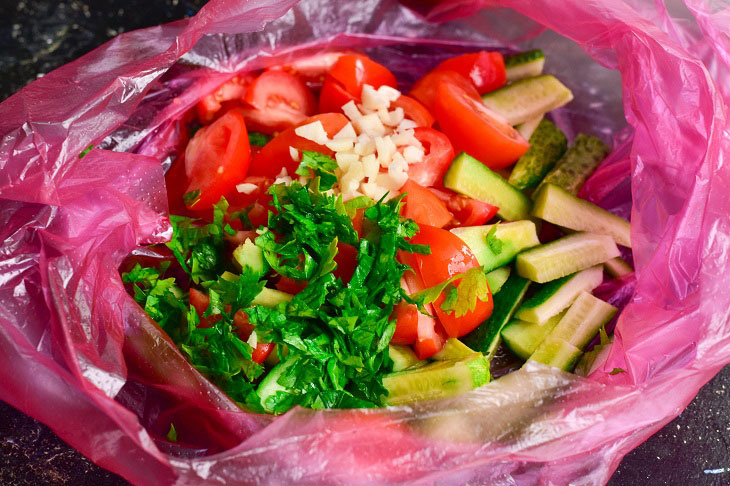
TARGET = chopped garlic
x,y
294,153
396,116
346,132
390,182
413,155
373,100
370,125
384,116
246,187
406,124
341,145
385,148
372,190
389,93
399,164
364,146
353,176
314,132
253,340
371,165
344,160
350,110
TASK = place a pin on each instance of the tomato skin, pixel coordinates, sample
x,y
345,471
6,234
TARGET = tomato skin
x,y
449,256
485,69
311,69
290,285
346,260
466,211
406,324
439,154
353,71
414,110
200,302
430,334
233,89
423,206
216,159
275,155
277,100
474,129
333,96
425,89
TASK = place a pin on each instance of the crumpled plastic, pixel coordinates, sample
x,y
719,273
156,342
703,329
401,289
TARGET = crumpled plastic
x,y
78,354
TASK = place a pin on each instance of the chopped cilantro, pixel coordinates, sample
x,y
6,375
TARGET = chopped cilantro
x,y
86,151
494,243
459,299
258,139
321,165
616,371
172,434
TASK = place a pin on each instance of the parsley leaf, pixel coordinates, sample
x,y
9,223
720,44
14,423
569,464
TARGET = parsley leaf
x,y
257,139
86,151
172,434
461,292
190,197
616,371
321,165
494,243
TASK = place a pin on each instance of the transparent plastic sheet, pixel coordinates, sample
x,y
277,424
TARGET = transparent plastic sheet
x,y
78,354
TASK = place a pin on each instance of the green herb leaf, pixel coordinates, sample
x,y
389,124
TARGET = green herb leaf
x,y
321,165
493,243
616,371
189,198
86,151
257,139
172,434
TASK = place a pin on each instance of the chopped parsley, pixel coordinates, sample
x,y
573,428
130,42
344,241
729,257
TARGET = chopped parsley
x,y
258,139
493,243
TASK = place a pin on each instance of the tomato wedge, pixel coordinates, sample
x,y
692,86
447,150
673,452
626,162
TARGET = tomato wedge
x,y
233,89
344,81
449,256
277,100
423,206
333,96
476,130
216,159
245,329
200,302
425,89
431,336
484,69
414,110
406,324
466,211
439,154
275,155
311,69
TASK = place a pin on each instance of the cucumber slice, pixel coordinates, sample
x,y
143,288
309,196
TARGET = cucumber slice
x,y
453,350
524,64
583,320
497,278
438,380
558,295
557,206
486,336
564,256
468,176
523,337
515,237
578,163
271,297
247,254
616,267
547,145
403,357
528,98
528,128
269,386
556,353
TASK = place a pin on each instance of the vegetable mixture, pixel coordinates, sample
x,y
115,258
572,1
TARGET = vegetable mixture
x,y
340,244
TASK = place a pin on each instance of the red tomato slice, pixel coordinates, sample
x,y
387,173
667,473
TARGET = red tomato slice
x,y
245,328
333,96
354,71
449,256
346,260
290,285
234,89
414,110
466,211
425,89
312,69
275,155
277,100
431,336
200,302
406,324
439,154
484,69
216,159
476,130
423,207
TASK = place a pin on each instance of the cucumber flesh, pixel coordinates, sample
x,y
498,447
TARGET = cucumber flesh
x,y
617,267
547,145
441,379
269,386
486,337
468,176
528,98
453,350
403,357
523,337
556,353
271,297
578,163
566,255
524,64
515,237
497,278
557,206
528,128
247,254
559,294
583,320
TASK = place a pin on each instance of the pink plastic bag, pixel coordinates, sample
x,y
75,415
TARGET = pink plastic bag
x,y
77,353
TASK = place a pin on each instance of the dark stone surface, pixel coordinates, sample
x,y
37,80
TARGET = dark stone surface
x,y
37,36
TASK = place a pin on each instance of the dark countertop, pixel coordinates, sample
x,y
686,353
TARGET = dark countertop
x,y
38,35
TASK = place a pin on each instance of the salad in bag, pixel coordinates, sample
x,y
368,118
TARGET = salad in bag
x,y
115,376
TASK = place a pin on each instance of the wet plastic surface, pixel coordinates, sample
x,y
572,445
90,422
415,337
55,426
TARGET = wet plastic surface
x,y
647,368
